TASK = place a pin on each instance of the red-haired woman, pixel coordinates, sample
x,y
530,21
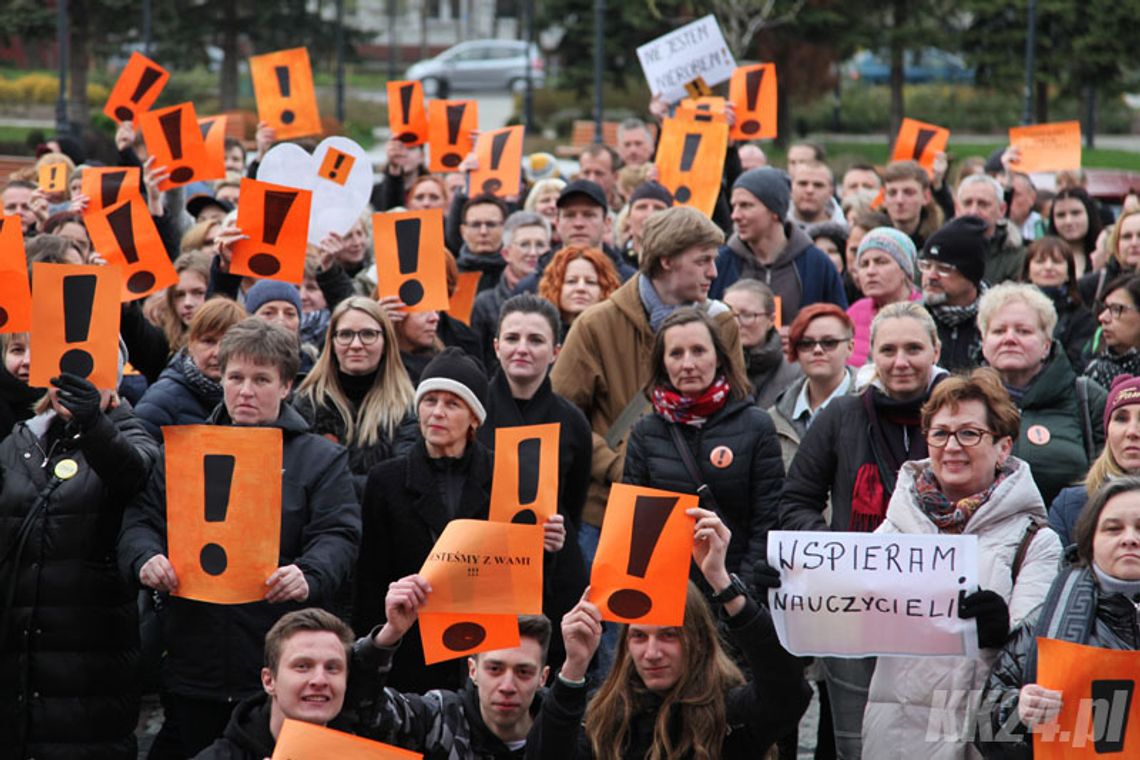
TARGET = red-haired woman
x,y
577,278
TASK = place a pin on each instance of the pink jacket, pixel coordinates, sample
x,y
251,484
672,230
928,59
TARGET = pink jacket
x,y
862,313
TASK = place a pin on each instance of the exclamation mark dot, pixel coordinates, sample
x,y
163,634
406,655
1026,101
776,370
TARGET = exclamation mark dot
x,y
217,477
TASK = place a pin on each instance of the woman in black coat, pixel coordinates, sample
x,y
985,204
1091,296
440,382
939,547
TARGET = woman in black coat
x,y
702,403
16,398
410,499
69,641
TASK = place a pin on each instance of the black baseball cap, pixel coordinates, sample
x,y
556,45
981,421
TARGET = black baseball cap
x,y
592,190
199,202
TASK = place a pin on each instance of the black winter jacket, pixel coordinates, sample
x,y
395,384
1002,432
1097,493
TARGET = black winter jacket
x,y
757,712
69,642
215,651
746,489
175,399
16,401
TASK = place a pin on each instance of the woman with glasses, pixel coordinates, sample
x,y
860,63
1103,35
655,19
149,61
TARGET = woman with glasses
x,y
358,393
706,436
970,485
1119,331
754,307
819,341
1061,431
885,261
849,458
1049,265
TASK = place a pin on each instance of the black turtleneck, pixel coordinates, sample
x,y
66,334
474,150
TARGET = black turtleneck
x,y
356,387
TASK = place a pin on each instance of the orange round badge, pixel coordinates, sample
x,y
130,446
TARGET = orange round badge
x,y
721,457
1038,434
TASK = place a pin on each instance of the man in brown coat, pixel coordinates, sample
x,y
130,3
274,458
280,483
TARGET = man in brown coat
x,y
605,363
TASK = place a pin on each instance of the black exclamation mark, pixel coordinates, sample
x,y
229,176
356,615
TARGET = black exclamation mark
x,y
650,513
704,112
287,115
171,124
498,144
54,168
752,82
217,477
529,459
78,300
454,121
688,155
277,205
146,81
1111,705
123,228
337,161
408,254
406,111
921,140
109,186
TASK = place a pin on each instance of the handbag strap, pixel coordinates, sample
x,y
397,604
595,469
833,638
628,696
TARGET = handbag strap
x,y
690,463
1086,418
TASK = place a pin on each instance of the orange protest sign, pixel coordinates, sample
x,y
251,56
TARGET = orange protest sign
x,y
407,118
1047,147
499,154
174,140
213,130
921,142
276,219
460,302
75,323
283,88
15,291
299,740
223,510
136,89
125,234
107,186
707,109
753,91
53,177
410,258
524,484
690,161
450,124
487,568
446,636
641,571
1098,704
336,166
778,306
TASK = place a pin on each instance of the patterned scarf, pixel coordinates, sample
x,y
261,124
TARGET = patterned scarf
x,y
209,390
954,316
951,516
690,410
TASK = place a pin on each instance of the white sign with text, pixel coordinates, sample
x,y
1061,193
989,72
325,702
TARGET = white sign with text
x,y
695,50
873,594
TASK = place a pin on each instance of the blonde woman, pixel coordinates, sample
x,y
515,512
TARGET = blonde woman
x,y
358,393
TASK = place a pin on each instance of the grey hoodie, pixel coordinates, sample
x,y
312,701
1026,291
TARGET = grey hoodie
x,y
781,276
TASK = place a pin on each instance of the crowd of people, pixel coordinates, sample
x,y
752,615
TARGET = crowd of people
x,y
899,348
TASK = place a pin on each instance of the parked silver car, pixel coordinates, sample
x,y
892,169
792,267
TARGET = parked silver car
x,y
479,65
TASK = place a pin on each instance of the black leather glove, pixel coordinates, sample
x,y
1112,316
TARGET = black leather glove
x,y
992,615
79,397
764,577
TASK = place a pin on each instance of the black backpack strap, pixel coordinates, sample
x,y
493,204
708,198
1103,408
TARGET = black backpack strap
x,y
690,463
1086,417
626,419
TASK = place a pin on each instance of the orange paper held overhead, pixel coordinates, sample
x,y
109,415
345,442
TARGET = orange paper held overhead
x,y
708,109
410,258
753,91
213,130
15,290
461,302
276,219
485,567
641,571
407,116
307,741
53,177
223,510
499,154
125,234
921,142
450,124
690,161
1047,147
106,186
136,89
447,635
174,139
75,323
1100,709
524,485
283,87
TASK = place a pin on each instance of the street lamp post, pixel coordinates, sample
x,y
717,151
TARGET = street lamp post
x,y
599,62
62,123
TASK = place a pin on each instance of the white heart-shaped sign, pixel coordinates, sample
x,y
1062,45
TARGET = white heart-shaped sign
x,y
338,173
